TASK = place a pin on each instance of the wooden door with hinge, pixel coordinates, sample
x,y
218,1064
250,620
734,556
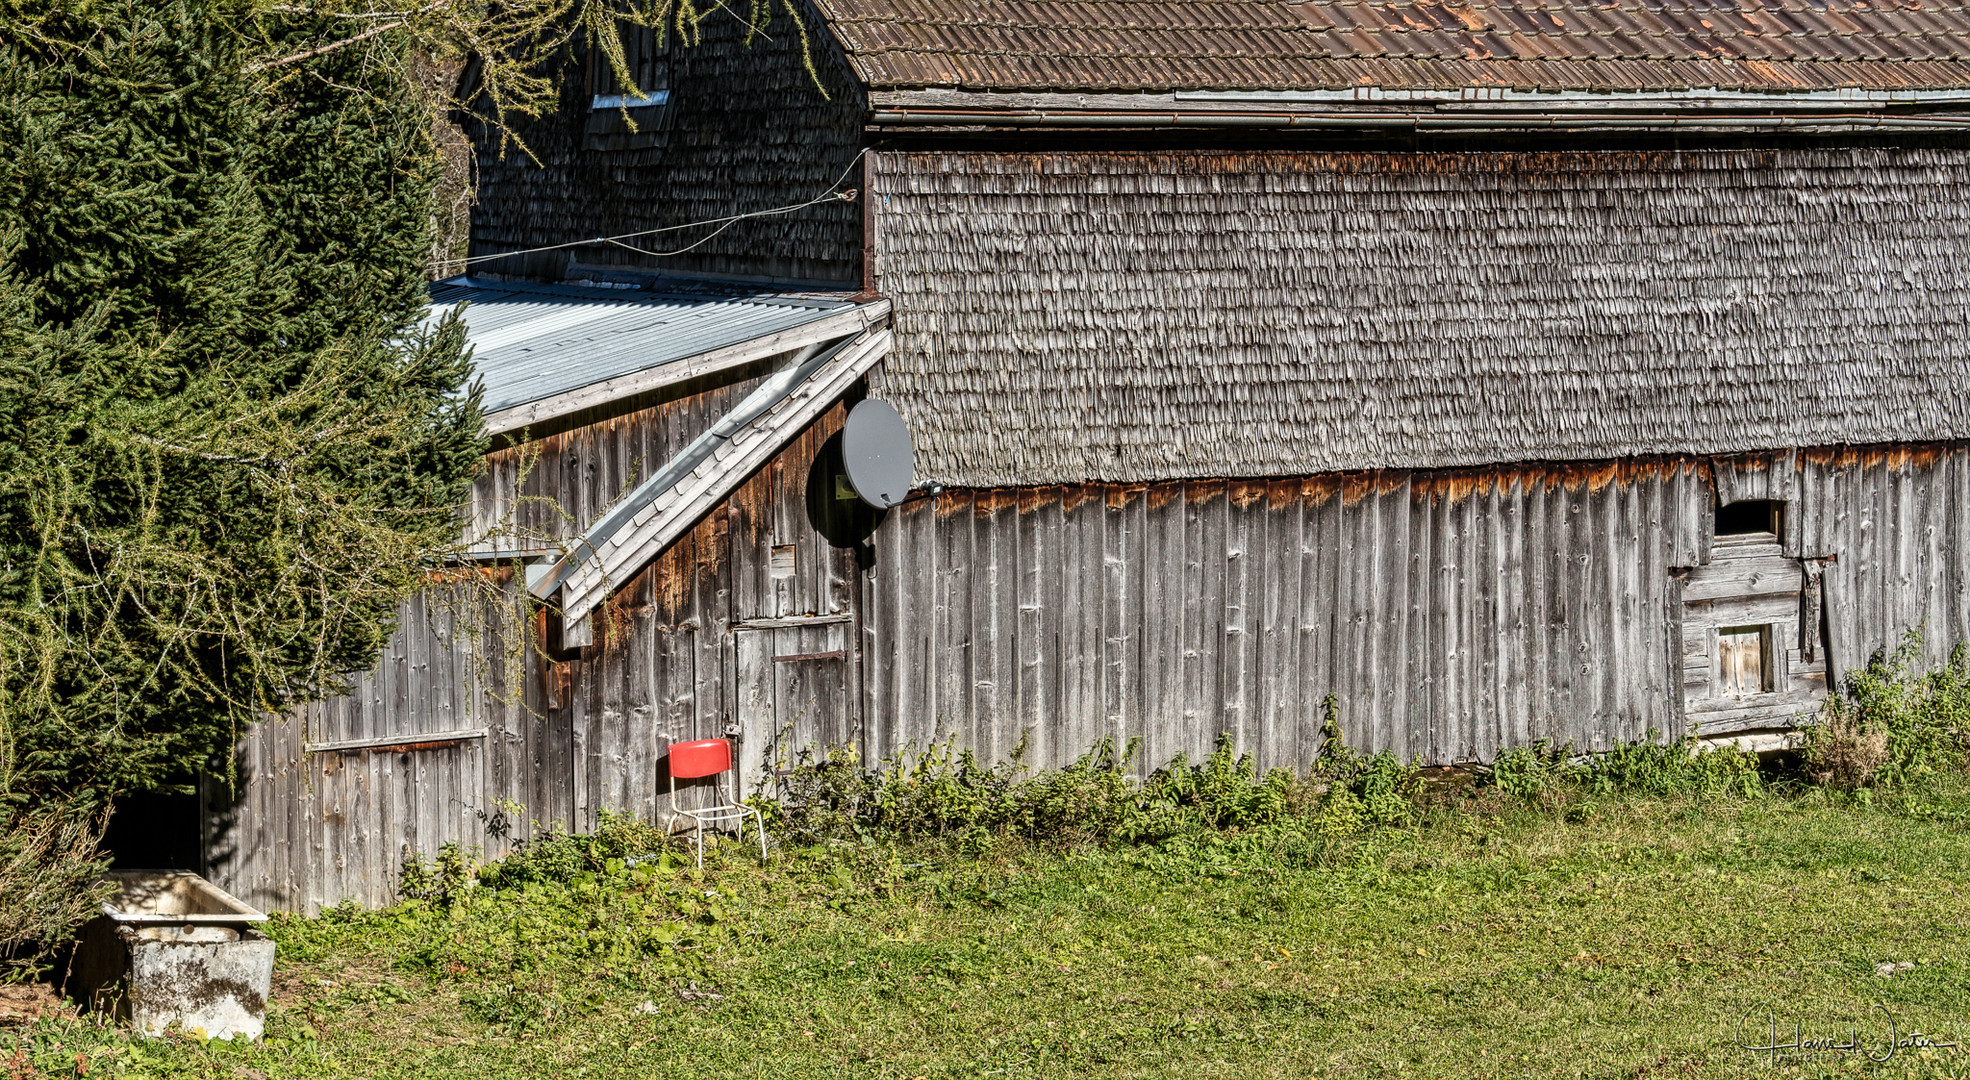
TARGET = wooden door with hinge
x,y
799,539
792,682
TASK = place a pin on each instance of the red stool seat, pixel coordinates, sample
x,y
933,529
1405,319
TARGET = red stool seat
x,y
706,757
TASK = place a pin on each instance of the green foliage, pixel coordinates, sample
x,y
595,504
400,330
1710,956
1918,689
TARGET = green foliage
x,y
617,903
49,874
1664,770
560,858
1498,939
941,794
440,880
1377,788
231,450
1097,800
1529,772
1543,772
626,923
1896,727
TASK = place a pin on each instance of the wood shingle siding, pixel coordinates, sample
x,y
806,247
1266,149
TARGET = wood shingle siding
x,y
749,131
1143,316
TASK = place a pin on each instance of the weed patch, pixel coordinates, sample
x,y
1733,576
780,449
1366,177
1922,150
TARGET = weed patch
x,y
1896,727
1610,915
1594,935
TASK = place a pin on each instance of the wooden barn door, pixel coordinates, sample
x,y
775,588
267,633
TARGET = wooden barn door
x,y
792,693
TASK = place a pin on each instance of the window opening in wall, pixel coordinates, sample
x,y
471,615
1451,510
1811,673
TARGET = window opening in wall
x,y
634,114
1744,660
1754,517
646,63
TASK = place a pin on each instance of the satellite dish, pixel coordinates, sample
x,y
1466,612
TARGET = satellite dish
x,y
875,448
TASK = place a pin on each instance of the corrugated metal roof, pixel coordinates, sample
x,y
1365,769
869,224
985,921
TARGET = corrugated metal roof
x,y
1587,45
533,342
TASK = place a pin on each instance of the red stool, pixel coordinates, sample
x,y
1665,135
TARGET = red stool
x,y
709,757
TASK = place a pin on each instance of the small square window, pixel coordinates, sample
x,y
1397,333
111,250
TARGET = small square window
x,y
1744,665
646,62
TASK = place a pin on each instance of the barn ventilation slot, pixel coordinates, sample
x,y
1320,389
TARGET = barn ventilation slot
x,y
1753,517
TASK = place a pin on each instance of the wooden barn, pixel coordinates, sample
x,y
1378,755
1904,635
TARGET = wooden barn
x,y
1508,371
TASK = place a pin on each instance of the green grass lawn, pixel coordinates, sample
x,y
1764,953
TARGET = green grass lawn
x,y
1598,937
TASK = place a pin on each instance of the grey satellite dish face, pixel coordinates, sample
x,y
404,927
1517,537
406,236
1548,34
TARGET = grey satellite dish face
x,y
875,449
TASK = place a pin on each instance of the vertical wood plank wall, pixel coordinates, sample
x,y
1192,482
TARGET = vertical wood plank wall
x,y
566,736
1451,613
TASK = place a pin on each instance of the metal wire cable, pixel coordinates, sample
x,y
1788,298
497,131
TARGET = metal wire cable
x,y
723,223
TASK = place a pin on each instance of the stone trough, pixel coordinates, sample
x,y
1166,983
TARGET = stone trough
x,y
171,949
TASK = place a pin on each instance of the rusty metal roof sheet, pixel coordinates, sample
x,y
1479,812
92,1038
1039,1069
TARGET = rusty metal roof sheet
x,y
1552,45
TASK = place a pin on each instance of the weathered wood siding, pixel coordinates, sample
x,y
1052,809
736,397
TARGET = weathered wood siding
x,y
558,737
1451,613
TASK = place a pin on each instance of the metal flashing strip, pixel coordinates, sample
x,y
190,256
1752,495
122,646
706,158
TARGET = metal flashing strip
x,y
544,351
673,372
661,509
629,101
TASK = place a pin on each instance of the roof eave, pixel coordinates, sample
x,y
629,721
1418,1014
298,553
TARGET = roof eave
x,y
847,321
1469,109
654,514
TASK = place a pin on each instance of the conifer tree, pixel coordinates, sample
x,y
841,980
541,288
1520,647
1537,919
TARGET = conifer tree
x,y
229,444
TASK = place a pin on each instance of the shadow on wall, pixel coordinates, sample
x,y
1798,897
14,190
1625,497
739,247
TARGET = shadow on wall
x,y
835,511
221,796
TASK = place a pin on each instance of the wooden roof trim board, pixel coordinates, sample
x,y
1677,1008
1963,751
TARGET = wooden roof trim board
x,y
1569,116
657,512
